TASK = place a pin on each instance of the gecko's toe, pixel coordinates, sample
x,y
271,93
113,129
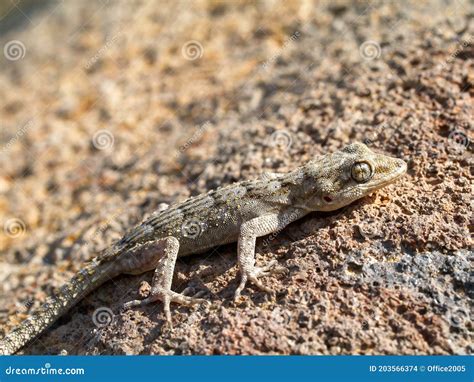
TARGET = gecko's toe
x,y
131,304
271,268
254,274
166,297
241,287
259,285
278,270
267,268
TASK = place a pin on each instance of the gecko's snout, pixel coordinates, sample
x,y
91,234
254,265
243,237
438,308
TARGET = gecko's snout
x,y
387,170
400,166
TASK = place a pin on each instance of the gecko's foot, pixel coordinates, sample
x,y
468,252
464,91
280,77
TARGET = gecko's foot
x,y
166,297
254,274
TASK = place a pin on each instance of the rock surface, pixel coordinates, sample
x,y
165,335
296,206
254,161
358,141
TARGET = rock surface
x,y
111,108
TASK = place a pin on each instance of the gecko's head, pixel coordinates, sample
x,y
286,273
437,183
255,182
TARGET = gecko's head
x,y
350,174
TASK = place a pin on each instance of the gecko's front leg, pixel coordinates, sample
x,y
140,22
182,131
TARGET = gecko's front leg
x,y
249,231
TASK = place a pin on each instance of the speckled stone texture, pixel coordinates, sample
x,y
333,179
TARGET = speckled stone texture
x,y
110,108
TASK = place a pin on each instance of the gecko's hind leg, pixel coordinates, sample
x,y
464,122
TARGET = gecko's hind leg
x,y
163,277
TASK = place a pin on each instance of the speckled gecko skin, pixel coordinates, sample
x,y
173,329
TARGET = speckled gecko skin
x,y
237,213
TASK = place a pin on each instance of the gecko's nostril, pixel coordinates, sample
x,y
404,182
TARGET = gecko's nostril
x,y
402,164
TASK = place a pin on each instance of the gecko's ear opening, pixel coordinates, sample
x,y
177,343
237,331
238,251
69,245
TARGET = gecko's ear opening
x,y
327,199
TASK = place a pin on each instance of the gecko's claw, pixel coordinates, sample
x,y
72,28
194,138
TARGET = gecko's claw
x,y
166,297
254,274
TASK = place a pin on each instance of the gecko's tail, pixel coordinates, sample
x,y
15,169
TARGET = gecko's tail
x,y
93,274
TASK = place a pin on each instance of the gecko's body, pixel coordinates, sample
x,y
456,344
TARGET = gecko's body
x,y
237,213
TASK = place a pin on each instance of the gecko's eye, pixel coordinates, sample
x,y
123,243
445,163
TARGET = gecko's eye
x,y
361,172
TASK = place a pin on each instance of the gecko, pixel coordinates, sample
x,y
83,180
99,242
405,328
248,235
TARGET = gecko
x,y
240,212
